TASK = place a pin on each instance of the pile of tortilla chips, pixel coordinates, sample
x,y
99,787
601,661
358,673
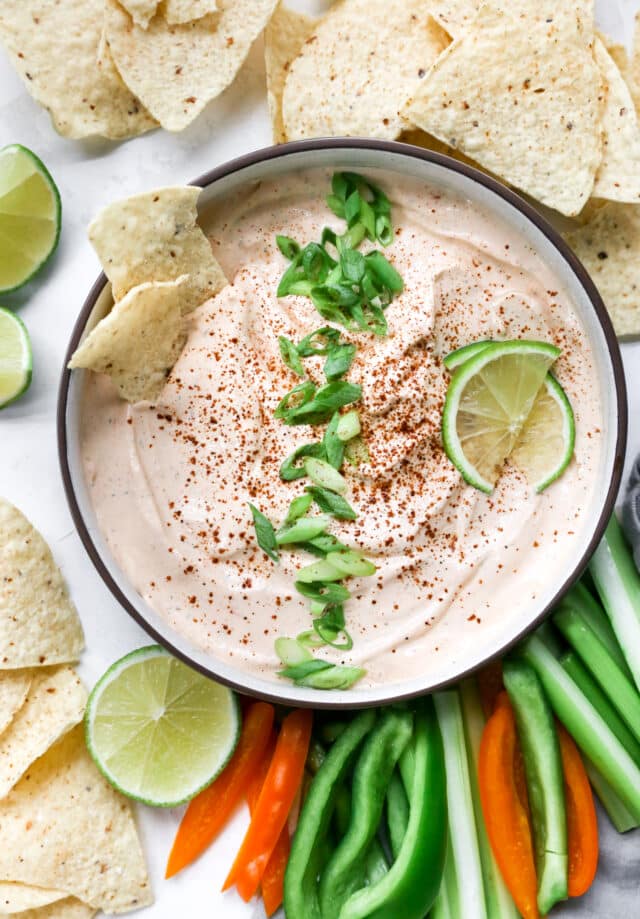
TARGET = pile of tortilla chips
x,y
69,841
161,267
526,90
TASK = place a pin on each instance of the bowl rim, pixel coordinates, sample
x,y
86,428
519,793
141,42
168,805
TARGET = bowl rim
x,y
264,155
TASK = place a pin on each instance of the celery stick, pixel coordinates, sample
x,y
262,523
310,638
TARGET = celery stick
x,y
469,888
597,619
618,813
618,583
446,905
620,691
588,729
498,900
588,686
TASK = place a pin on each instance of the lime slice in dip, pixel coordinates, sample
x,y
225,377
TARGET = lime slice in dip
x,y
15,357
29,216
488,403
545,446
461,355
159,731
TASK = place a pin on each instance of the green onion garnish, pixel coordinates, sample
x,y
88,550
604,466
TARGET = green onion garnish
x,y
331,503
321,571
291,469
303,529
324,475
298,508
351,564
265,533
290,356
339,361
348,426
291,652
333,445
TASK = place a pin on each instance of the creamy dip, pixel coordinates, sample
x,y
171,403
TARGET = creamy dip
x,y
170,482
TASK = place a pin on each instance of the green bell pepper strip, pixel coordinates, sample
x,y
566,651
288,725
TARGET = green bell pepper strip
x,y
376,864
545,779
345,871
409,888
307,848
397,813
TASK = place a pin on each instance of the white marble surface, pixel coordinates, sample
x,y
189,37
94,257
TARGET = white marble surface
x,y
89,175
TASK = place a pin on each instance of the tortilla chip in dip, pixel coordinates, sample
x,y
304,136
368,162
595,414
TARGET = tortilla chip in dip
x,y
64,827
138,342
283,40
141,11
67,908
355,72
177,69
179,11
609,246
522,97
154,236
39,624
54,48
55,703
618,177
14,686
18,898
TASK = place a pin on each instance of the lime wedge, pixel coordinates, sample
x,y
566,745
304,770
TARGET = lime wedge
x,y
29,216
159,731
488,402
15,357
545,446
461,355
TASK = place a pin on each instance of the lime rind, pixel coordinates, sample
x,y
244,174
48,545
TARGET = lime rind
x,y
16,367
142,744
494,415
34,224
460,356
565,432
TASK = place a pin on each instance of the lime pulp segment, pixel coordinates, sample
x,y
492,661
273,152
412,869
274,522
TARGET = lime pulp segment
x,y
546,444
15,357
158,730
29,216
488,402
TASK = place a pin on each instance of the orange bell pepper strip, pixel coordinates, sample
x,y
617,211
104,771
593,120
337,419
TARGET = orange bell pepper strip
x,y
273,878
506,816
210,810
273,806
582,822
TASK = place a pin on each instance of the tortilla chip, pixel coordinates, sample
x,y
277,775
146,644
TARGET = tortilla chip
x,y
18,898
139,341
154,237
283,40
608,245
54,48
14,686
523,102
63,826
454,15
68,908
177,69
141,11
39,624
55,704
634,66
359,67
618,178
617,51
180,11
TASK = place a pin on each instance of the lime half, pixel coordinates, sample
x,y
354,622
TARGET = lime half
x,y
159,731
488,402
15,357
545,446
29,216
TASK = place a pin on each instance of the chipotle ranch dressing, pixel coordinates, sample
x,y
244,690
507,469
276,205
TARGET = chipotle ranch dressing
x,y
170,482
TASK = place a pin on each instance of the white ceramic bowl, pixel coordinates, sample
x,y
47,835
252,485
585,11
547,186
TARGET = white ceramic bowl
x,y
492,198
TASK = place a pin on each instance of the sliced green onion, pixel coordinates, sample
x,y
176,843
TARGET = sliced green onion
x,y
316,407
384,272
329,635
339,361
318,342
310,639
325,476
334,447
384,230
265,533
298,508
299,672
297,398
356,452
330,593
289,247
318,571
290,470
352,564
302,529
291,652
290,356
327,543
353,265
332,677
331,503
348,426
